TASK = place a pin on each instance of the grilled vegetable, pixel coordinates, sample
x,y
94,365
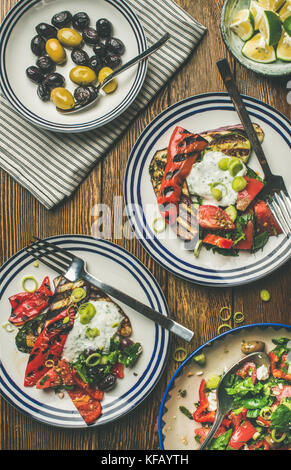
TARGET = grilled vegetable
x,y
62,296
26,337
57,376
88,407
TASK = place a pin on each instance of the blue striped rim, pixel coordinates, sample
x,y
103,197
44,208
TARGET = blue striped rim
x,y
151,374
6,29
132,187
199,350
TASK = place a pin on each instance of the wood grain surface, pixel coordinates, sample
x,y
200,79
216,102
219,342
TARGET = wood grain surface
x,y
21,217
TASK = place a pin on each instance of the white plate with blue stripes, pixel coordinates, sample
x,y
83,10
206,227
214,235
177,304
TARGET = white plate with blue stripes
x,y
118,268
196,114
16,32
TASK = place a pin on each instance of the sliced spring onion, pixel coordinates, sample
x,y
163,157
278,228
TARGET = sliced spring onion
x,y
224,325
93,360
177,357
78,294
238,317
197,248
228,317
25,280
278,439
8,327
36,264
88,309
159,225
265,295
66,320
266,413
49,363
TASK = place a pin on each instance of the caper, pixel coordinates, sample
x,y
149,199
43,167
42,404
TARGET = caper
x,y
34,74
44,93
112,60
46,64
99,50
104,28
84,95
90,36
112,85
79,56
62,19
81,20
82,75
63,99
69,37
115,46
56,51
54,80
46,30
37,45
95,63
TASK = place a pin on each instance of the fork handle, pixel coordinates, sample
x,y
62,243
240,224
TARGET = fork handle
x,y
229,82
139,307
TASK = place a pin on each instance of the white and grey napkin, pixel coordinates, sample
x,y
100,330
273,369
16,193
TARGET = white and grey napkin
x,y
52,165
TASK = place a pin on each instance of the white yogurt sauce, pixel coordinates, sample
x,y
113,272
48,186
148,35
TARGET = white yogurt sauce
x,y
206,172
107,320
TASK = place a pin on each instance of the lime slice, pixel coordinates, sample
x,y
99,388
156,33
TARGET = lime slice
x,y
243,24
257,50
272,5
287,25
271,27
257,13
284,48
285,11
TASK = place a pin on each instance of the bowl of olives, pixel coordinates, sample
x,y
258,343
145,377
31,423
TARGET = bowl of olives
x,y
58,53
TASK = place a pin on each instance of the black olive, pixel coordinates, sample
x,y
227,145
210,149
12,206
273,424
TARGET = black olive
x,y
54,80
85,94
115,46
81,20
62,19
35,74
46,30
79,56
46,64
104,28
90,36
93,91
99,50
107,383
43,92
95,63
112,60
125,343
38,45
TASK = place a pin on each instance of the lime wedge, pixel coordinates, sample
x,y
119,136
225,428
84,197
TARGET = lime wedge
x,y
287,25
257,13
284,48
271,27
257,50
272,5
285,11
243,24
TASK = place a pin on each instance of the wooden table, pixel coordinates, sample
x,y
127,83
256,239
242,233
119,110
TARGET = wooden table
x,y
194,306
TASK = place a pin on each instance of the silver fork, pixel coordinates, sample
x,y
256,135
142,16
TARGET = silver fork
x,y
279,201
73,268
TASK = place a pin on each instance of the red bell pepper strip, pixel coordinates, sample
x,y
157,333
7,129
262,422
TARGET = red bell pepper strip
x,y
214,218
242,435
56,376
260,445
183,150
247,243
266,222
92,391
118,370
247,195
28,305
237,419
244,372
202,415
49,345
89,408
216,240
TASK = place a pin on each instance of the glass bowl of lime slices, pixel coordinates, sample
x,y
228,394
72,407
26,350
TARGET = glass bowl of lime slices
x,y
258,34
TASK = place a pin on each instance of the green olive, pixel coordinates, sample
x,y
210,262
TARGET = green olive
x,y
69,37
62,98
223,163
112,85
82,75
55,51
235,166
239,183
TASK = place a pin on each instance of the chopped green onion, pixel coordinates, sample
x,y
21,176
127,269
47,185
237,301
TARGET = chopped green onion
x,y
186,412
265,295
238,317
177,357
49,363
197,248
66,320
8,327
200,359
278,439
228,317
224,325
92,332
88,309
36,264
266,413
156,222
78,294
29,278
90,360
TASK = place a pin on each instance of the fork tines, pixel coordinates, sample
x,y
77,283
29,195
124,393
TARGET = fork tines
x,y
280,205
50,254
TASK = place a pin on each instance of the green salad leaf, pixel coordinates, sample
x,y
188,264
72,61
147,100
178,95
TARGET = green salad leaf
x,y
281,418
221,442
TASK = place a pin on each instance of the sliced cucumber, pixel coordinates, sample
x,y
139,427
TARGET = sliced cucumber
x,y
231,212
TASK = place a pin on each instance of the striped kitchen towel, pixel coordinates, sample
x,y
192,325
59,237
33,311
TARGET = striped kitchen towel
x,y
51,165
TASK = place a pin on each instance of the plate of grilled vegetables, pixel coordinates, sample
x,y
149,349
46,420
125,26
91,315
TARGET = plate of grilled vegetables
x,y
196,196
71,356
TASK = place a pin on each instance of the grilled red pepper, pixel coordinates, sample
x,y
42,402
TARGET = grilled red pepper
x,y
278,370
49,346
247,195
28,305
216,240
57,376
118,370
244,372
242,435
88,407
184,148
237,419
202,415
92,391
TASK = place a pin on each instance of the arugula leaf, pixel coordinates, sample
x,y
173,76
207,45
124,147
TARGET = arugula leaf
x,y
260,241
281,419
241,389
129,356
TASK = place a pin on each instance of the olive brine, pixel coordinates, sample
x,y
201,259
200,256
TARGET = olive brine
x,y
73,31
